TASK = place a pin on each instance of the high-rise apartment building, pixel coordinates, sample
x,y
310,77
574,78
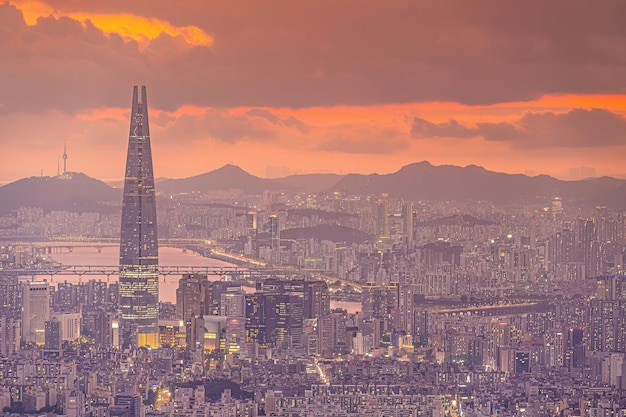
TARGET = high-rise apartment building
x,y
408,222
274,229
53,335
10,336
252,248
139,263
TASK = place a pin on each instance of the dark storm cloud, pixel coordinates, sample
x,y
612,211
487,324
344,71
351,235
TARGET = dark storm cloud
x,y
578,128
318,53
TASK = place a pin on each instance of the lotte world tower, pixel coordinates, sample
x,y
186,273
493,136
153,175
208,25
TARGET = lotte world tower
x,y
139,252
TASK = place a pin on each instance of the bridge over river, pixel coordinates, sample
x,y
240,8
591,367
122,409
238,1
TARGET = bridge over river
x,y
108,270
244,269
68,245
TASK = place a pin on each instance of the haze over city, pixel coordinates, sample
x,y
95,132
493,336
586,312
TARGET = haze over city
x,y
158,258
297,87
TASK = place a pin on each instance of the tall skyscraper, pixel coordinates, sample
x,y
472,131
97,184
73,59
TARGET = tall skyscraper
x,y
382,218
139,263
408,222
274,224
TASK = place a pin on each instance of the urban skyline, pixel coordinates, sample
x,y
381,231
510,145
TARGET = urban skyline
x,y
434,291
365,91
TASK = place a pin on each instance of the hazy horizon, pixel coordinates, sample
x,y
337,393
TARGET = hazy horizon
x,y
569,176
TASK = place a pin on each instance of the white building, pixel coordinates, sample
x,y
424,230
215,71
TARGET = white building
x,y
70,325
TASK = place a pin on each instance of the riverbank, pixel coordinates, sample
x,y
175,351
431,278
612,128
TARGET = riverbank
x,y
237,260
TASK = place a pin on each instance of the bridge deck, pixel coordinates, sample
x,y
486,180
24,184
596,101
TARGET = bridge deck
x,y
115,270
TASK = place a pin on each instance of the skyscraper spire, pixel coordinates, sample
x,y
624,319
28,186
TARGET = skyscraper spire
x,y
139,266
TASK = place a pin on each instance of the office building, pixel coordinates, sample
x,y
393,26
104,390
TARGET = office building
x,y
193,296
36,311
134,402
70,325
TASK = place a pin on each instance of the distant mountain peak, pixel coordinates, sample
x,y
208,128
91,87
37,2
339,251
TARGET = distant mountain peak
x,y
230,167
226,177
75,192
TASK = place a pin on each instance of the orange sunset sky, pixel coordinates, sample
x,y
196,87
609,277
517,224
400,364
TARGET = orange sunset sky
x,y
315,85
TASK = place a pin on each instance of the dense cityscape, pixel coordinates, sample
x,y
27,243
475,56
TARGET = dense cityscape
x,y
312,208
455,308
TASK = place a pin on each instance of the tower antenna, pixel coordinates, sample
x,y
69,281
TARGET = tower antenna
x,y
65,158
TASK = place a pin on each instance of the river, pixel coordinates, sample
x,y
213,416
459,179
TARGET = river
x,y
168,256
109,256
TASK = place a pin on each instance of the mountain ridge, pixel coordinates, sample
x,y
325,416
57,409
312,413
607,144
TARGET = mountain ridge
x,y
417,182
424,181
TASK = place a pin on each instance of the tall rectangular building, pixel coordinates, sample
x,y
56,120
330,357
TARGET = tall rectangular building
x,y
10,336
139,263
36,311
193,296
256,325
53,335
274,229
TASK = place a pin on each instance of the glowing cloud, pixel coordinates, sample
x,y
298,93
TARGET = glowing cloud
x,y
141,29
